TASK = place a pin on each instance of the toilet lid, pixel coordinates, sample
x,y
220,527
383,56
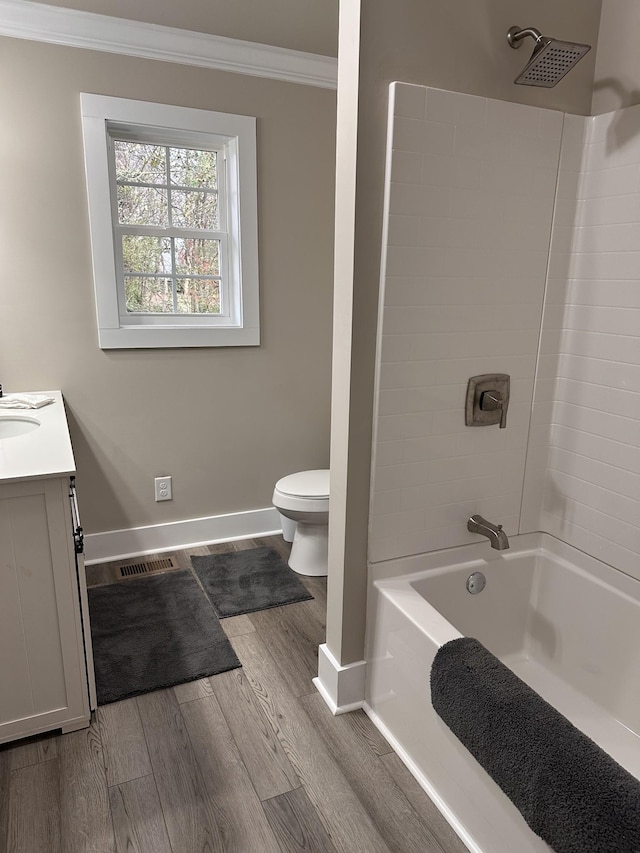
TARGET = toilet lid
x,y
305,484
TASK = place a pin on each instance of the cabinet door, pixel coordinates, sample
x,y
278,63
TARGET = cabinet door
x,y
42,672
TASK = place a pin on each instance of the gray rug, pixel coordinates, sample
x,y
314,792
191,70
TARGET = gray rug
x,y
154,632
246,581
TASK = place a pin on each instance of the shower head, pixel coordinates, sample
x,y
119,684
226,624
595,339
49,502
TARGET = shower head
x,y
551,59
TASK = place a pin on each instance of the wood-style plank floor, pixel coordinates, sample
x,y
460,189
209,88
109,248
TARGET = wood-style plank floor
x,y
248,761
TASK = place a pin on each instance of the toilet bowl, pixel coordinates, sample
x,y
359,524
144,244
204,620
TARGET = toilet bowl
x,y
303,498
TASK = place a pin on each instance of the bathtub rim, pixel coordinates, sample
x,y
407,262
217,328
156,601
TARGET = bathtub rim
x,y
416,566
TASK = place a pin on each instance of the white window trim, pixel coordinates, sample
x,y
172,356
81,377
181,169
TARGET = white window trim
x,y
113,332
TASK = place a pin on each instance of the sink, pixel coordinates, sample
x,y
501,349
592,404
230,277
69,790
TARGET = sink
x,y
13,425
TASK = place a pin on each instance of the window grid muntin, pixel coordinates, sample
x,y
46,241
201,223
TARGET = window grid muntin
x,y
171,232
174,280
169,204
180,187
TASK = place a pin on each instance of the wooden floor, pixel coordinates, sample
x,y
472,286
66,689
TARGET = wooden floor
x,y
248,761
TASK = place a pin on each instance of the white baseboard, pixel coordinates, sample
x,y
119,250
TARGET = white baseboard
x,y
176,535
341,687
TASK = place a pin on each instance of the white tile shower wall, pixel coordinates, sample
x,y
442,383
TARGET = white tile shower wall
x,y
591,493
470,197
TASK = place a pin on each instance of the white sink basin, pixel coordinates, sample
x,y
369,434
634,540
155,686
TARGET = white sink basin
x,y
13,425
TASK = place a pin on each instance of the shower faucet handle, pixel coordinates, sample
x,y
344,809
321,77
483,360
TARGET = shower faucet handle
x,y
491,401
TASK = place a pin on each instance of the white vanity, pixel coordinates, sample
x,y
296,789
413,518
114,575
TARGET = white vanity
x,y
46,663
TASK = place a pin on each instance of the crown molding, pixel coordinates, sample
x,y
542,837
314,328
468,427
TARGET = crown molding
x,y
72,28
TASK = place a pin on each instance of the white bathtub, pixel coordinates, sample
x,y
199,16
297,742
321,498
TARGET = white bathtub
x,y
567,624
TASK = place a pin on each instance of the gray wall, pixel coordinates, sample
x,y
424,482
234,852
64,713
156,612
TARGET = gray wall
x,y
226,423
459,45
617,78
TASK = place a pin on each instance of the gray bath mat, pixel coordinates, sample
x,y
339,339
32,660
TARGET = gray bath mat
x,y
246,581
154,632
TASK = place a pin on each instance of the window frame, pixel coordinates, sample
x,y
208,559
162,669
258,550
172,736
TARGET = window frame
x,y
105,118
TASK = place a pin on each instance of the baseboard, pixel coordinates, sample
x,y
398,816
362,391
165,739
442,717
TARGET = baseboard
x,y
176,535
341,687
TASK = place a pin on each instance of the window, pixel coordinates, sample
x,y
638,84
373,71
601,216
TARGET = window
x,y
173,213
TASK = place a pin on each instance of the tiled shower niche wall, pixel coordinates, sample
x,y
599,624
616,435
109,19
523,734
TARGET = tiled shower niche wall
x,y
470,189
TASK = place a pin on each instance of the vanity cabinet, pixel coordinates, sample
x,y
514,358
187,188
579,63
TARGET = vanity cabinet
x,y
46,667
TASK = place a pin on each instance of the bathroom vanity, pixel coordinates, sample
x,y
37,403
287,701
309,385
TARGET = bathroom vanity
x,y
46,663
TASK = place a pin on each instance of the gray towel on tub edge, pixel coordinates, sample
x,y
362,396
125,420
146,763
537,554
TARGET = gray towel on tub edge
x,y
570,791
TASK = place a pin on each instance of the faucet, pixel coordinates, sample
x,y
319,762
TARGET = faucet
x,y
494,532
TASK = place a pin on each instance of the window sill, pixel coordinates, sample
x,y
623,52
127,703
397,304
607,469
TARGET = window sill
x,y
146,337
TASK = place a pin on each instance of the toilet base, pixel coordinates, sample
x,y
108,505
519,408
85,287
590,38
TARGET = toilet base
x,y
310,550
288,528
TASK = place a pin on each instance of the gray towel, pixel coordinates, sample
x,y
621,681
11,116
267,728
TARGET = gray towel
x,y
569,791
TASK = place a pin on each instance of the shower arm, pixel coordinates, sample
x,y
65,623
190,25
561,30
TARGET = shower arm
x,y
516,35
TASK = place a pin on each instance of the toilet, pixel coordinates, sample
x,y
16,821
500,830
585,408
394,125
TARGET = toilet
x,y
303,499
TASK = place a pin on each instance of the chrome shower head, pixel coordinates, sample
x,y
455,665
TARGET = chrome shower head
x,y
551,59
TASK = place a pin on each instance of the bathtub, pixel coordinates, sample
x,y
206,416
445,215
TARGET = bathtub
x,y
564,622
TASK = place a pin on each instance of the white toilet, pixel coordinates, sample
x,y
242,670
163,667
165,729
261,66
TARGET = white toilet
x,y
303,498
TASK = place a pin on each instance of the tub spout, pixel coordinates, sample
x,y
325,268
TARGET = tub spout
x,y
494,532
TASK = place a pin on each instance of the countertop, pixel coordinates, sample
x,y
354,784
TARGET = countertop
x,y
44,452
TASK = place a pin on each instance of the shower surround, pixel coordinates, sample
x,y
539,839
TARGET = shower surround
x,y
495,211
